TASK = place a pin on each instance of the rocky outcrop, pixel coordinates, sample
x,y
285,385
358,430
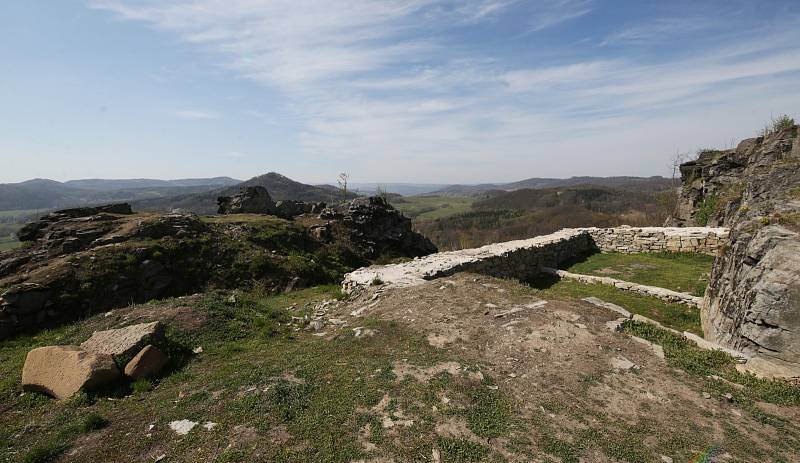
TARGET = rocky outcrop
x,y
77,264
376,228
290,209
752,302
250,200
61,371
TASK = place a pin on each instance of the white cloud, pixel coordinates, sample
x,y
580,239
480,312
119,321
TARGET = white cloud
x,y
375,84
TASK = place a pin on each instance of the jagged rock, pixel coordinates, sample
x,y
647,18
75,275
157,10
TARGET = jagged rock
x,y
251,200
124,342
753,299
61,371
147,363
289,209
376,228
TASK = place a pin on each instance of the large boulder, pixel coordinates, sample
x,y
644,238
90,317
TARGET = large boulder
x,y
124,342
61,371
250,200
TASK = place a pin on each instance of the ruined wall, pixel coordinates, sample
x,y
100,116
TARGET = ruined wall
x,y
753,299
524,259
656,239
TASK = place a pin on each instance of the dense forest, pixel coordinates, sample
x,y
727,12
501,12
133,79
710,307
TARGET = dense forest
x,y
526,213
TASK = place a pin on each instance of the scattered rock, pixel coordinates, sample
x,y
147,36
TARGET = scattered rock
x,y
61,371
361,332
147,363
666,459
706,395
621,363
124,342
209,425
182,427
197,350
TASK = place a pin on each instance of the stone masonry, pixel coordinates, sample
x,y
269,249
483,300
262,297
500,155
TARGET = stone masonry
x,y
524,259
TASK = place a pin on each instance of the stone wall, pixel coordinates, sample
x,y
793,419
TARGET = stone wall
x,y
656,239
524,259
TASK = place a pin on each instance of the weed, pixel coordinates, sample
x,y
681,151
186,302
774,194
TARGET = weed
x,y
705,209
461,450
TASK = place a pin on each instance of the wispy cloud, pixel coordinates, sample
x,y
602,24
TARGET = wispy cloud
x,y
551,13
196,114
379,83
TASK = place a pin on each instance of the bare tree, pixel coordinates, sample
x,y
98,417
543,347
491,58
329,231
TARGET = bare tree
x,y
383,192
343,178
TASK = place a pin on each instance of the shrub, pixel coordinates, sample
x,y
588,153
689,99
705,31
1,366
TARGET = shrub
x,y
705,210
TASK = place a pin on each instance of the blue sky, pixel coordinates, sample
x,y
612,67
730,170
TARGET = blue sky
x,y
390,91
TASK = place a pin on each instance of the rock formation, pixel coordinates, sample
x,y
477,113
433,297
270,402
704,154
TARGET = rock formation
x,y
376,228
82,261
250,200
753,298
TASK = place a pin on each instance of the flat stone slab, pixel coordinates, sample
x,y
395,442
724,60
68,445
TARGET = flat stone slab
x,y
123,342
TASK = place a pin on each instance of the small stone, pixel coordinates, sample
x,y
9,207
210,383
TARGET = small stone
x,y
209,425
729,397
706,395
666,459
182,427
197,350
621,363
231,299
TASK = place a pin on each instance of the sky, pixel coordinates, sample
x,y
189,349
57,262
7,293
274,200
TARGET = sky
x,y
435,91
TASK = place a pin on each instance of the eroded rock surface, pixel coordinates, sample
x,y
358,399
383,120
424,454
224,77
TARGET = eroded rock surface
x,y
753,298
124,342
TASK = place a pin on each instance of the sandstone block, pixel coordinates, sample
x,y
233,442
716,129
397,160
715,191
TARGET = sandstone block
x,y
147,363
123,342
61,371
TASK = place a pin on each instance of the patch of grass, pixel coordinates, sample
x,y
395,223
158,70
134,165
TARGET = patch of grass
x,y
7,245
422,208
683,354
461,450
684,272
489,416
677,316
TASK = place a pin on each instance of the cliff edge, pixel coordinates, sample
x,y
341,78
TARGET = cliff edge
x,y
752,302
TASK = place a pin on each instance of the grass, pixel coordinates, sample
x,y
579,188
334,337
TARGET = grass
x,y
421,208
676,316
276,392
684,272
9,244
685,355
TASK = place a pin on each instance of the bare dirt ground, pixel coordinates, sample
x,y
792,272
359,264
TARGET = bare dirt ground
x,y
587,393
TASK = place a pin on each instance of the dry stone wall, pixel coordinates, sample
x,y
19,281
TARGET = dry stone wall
x,y
524,259
656,239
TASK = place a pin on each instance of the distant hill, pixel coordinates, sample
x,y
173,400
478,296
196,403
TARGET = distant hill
x,y
138,183
623,183
50,194
280,187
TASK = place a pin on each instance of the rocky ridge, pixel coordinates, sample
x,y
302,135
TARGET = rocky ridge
x,y
753,298
81,261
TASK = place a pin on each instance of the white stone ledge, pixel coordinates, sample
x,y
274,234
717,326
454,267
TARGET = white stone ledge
x,y
666,295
